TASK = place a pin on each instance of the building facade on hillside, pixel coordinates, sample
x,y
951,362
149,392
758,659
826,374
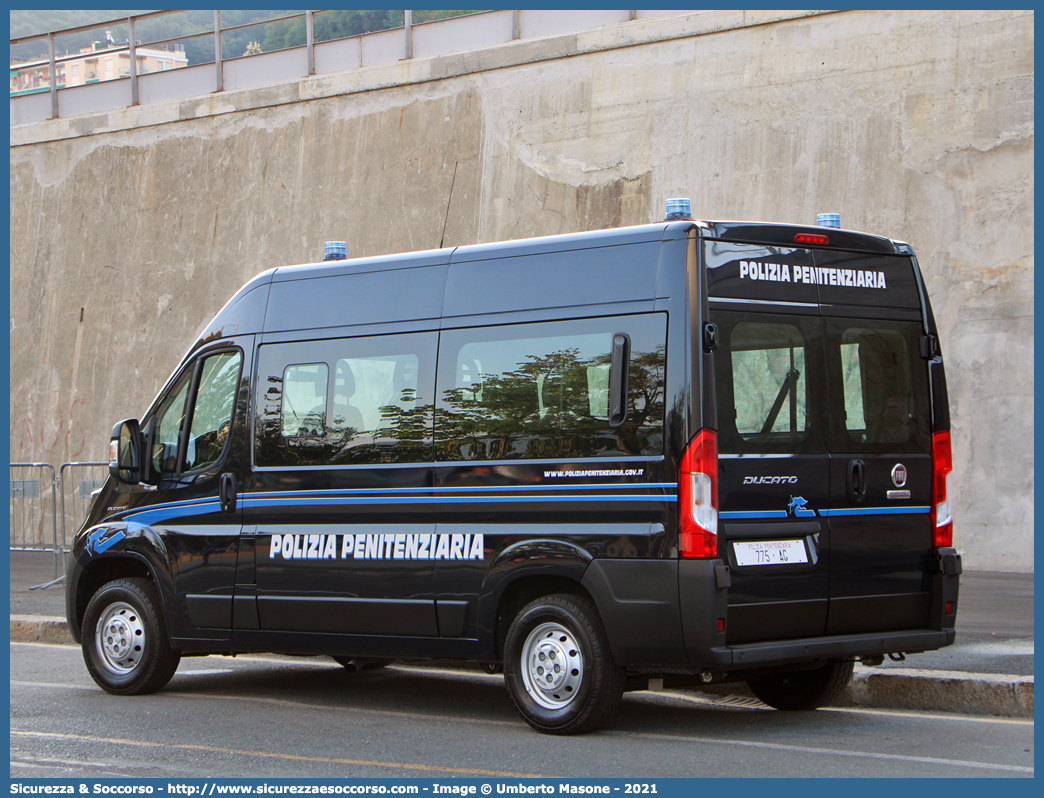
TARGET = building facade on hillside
x,y
93,64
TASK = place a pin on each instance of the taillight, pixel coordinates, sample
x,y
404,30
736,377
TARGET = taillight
x,y
942,498
698,497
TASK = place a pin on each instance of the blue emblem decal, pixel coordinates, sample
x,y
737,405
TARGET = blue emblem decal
x,y
797,508
98,543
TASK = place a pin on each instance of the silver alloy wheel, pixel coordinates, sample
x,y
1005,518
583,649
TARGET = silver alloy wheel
x,y
120,638
552,666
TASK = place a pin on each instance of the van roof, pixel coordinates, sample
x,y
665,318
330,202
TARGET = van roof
x,y
740,231
248,305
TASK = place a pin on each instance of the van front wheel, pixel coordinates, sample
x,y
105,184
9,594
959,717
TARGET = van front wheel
x,y
558,667
124,639
804,690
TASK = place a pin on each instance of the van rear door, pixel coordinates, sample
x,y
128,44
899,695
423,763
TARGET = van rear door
x,y
880,444
773,465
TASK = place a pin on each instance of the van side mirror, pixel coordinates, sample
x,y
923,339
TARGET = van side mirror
x,y
125,449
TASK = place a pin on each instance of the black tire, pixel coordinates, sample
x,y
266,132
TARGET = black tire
x,y
564,631
800,691
124,639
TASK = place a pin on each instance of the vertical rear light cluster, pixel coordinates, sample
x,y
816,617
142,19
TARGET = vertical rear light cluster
x,y
942,497
698,497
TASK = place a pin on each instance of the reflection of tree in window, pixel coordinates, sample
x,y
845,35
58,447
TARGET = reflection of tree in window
x,y
212,416
304,400
374,415
168,427
550,405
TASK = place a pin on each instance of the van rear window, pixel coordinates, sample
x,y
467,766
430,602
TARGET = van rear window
x,y
791,384
770,379
883,404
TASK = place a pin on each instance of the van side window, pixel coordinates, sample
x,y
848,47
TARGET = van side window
x,y
345,401
366,389
883,393
216,381
543,390
169,419
767,369
212,414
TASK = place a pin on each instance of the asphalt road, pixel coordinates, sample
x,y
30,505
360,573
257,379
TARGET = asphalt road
x,y
273,717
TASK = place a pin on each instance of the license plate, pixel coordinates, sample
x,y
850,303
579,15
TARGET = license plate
x,y
770,552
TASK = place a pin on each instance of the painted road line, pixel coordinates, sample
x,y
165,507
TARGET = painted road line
x,y
816,751
82,738
713,700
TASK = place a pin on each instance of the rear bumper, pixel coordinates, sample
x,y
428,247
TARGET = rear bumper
x,y
703,600
753,655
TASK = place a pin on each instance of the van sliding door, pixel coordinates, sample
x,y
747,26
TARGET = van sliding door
x,y
344,523
527,443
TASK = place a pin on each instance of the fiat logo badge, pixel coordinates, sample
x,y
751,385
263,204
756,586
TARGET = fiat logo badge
x,y
899,475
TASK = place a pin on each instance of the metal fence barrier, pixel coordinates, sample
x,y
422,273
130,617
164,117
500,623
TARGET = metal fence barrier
x,y
77,481
46,505
33,511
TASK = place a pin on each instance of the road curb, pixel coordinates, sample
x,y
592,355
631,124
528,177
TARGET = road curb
x,y
887,688
995,694
951,691
40,629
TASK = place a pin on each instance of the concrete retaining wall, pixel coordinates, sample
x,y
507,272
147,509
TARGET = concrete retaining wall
x,y
131,228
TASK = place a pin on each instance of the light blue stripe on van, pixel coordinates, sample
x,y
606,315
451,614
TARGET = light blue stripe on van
x,y
164,511
311,501
455,489
752,514
875,511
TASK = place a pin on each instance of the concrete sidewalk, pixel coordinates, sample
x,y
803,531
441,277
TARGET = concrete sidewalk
x,y
989,670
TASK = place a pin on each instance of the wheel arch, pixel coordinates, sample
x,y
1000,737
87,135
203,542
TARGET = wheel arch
x,y
101,571
524,589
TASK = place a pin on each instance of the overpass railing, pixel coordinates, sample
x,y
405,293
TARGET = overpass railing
x,y
224,73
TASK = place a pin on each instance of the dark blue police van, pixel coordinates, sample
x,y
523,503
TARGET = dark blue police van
x,y
689,451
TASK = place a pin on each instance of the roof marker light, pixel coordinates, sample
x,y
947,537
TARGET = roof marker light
x,y
679,208
336,250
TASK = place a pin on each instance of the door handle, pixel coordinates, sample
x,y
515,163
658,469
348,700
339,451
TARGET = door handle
x,y
619,368
856,481
227,493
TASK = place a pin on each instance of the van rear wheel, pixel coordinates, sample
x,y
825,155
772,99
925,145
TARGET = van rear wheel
x,y
124,639
804,690
558,668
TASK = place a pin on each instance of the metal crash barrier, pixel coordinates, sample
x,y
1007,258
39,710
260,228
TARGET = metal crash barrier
x,y
45,505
